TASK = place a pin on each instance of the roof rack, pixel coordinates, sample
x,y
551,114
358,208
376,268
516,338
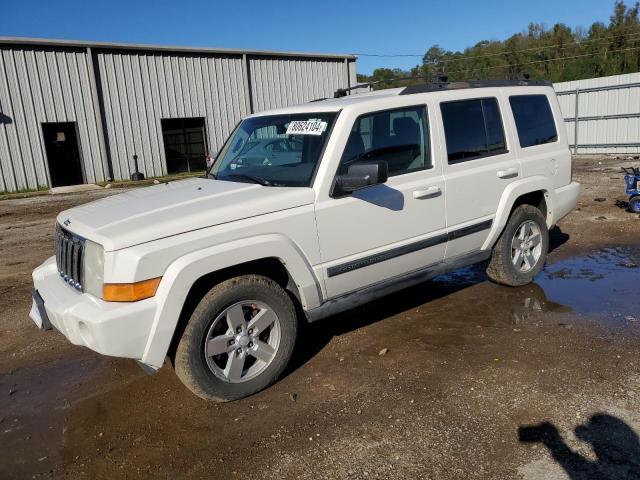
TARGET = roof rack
x,y
342,92
440,86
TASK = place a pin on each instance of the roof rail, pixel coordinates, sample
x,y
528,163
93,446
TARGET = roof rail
x,y
440,86
342,92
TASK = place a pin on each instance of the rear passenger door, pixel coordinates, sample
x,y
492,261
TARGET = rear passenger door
x,y
479,166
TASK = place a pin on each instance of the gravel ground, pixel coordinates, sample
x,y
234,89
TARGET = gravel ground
x,y
474,380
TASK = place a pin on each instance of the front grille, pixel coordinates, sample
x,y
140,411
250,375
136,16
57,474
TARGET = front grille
x,y
69,257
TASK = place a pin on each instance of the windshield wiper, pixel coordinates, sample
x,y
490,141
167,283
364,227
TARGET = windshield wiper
x,y
243,176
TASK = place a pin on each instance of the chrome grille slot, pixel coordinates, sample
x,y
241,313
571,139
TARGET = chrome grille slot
x,y
69,250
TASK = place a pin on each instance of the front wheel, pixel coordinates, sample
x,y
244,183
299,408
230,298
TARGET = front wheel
x,y
634,204
521,251
238,340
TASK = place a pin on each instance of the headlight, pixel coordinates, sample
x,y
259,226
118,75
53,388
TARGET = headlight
x,y
93,268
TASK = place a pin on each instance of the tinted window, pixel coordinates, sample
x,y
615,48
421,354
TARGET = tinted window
x,y
397,136
534,120
472,128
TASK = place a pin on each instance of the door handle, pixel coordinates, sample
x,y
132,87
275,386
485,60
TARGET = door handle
x,y
426,192
508,173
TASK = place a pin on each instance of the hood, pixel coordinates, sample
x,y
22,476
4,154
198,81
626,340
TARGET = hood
x,y
146,214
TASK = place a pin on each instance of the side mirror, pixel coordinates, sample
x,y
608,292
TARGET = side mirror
x,y
361,175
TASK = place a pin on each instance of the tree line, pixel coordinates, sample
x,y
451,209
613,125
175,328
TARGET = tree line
x,y
558,54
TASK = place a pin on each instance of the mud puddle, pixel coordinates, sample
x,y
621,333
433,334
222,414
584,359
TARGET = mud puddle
x,y
601,285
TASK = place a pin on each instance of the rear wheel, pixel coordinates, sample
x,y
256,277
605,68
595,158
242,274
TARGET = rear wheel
x,y
521,251
634,204
238,340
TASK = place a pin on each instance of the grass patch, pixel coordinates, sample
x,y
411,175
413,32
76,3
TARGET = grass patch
x,y
23,192
29,192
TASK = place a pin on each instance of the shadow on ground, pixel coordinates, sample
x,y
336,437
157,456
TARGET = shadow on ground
x,y
614,443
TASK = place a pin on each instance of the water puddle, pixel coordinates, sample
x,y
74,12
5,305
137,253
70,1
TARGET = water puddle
x,y
604,283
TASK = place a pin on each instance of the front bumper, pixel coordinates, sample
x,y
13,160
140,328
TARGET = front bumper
x,y
109,328
566,198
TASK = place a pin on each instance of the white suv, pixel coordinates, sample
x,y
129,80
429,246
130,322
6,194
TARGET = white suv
x,y
308,211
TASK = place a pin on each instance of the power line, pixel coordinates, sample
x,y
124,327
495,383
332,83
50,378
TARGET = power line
x,y
559,46
390,55
539,61
471,57
391,80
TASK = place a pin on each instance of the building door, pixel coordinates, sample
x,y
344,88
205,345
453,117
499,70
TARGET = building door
x,y
63,153
184,144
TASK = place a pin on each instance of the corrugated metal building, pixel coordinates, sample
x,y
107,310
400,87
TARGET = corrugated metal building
x,y
74,112
603,114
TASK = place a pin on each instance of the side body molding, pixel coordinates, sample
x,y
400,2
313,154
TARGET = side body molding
x,y
183,273
509,196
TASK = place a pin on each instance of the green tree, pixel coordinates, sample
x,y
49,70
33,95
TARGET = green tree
x,y
558,53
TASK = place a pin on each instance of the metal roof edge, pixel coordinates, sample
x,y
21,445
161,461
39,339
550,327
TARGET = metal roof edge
x,y
45,42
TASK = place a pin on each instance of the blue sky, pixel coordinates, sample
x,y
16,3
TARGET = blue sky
x,y
370,26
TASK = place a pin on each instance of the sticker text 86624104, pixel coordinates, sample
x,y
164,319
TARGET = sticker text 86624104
x,y
306,127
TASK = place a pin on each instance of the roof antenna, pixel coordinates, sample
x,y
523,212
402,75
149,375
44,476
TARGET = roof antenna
x,y
439,78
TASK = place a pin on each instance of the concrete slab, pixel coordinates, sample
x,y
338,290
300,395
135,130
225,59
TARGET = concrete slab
x,y
85,187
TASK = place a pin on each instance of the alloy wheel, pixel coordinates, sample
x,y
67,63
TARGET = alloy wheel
x,y
242,341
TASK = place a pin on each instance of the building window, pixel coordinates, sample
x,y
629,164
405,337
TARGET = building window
x,y
399,137
185,147
534,120
473,129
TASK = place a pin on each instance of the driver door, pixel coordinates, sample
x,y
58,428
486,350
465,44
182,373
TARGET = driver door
x,y
390,229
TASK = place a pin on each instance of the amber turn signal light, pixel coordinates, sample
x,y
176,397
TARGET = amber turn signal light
x,y
130,292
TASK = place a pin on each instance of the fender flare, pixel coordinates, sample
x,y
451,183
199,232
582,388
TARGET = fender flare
x,y
181,275
511,193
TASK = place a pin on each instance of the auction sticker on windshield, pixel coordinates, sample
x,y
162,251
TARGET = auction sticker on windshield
x,y
313,126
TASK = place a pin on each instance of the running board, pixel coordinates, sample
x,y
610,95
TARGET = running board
x,y
364,295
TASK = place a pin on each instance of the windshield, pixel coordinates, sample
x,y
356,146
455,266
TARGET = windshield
x,y
276,150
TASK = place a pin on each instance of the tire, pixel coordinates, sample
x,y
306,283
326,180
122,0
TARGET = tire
x,y
207,359
634,204
502,266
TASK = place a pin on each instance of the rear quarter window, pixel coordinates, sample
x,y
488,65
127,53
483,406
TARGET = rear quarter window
x,y
534,120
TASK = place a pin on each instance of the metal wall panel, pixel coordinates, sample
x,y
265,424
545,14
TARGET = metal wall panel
x,y
118,94
278,82
39,85
141,88
597,98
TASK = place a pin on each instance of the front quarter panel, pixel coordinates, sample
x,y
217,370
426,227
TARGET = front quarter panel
x,y
183,273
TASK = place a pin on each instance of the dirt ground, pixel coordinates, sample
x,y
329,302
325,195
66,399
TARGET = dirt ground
x,y
479,381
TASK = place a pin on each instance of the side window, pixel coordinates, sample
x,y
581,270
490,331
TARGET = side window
x,y
400,137
472,129
534,120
